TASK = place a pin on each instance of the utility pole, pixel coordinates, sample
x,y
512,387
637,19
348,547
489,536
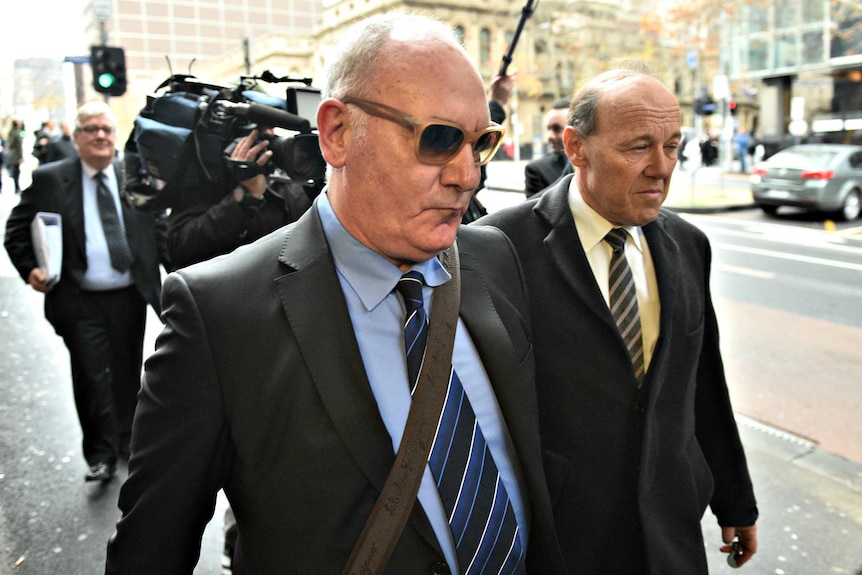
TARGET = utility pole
x,y
103,11
246,50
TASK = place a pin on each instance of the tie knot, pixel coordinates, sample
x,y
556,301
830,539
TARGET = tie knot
x,y
410,288
617,238
100,177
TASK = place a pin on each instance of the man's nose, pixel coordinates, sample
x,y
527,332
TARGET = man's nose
x,y
462,170
660,164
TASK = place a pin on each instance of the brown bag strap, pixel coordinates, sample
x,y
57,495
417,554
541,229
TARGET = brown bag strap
x,y
389,515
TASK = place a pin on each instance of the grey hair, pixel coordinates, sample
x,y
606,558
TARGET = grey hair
x,y
92,110
351,70
584,111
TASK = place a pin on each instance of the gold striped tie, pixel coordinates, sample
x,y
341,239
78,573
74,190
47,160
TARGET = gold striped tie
x,y
624,301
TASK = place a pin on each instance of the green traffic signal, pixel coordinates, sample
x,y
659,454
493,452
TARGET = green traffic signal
x,y
107,80
108,65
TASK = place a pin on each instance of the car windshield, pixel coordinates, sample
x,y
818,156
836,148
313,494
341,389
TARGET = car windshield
x,y
803,159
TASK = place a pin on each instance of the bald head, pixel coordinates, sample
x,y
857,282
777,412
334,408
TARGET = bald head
x,y
387,39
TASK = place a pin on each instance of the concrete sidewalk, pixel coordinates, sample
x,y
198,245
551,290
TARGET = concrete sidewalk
x,y
709,189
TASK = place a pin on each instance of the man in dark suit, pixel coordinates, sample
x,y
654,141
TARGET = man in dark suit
x,y
98,306
61,146
281,376
632,459
544,171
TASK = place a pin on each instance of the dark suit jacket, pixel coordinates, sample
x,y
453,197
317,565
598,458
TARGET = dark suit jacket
x,y
257,386
57,188
630,473
544,171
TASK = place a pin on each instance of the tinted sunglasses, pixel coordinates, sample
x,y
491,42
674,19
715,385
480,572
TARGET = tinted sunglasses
x,y
437,141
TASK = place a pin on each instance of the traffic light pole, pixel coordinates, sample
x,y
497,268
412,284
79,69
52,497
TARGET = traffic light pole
x,y
103,37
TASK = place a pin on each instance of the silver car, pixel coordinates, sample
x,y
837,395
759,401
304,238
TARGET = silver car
x,y
817,177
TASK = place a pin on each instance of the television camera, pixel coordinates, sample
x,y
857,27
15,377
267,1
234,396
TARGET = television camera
x,y
180,137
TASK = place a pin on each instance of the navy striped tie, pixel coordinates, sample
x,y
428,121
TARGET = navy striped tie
x,y
624,301
483,523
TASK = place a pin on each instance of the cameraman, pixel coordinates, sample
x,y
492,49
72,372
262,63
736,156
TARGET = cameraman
x,y
206,222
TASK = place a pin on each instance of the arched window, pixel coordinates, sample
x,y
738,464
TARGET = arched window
x,y
484,46
459,33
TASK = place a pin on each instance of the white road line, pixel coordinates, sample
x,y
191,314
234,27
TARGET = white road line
x,y
777,233
790,257
744,271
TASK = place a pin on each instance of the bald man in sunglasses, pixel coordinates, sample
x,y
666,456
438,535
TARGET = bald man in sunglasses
x,y
281,376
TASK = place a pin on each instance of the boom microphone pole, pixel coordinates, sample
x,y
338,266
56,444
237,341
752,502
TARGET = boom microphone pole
x,y
526,12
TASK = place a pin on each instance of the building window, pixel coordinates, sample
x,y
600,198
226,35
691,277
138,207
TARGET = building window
x,y
758,55
847,37
484,46
459,33
812,48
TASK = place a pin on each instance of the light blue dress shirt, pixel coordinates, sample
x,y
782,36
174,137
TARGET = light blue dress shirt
x,y
100,275
368,281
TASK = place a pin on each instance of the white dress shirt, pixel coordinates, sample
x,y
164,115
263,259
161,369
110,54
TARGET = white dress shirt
x,y
592,229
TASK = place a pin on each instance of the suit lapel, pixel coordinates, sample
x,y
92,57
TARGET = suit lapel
x,y
314,303
564,249
74,204
665,256
498,358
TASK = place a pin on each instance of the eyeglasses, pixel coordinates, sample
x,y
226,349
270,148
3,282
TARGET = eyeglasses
x,y
92,130
437,141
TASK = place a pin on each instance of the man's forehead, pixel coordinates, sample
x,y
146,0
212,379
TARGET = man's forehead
x,y
102,118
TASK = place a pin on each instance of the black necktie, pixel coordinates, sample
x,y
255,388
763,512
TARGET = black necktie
x,y
118,246
624,300
483,524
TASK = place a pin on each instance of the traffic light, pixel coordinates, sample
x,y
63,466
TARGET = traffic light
x,y
109,70
704,105
732,107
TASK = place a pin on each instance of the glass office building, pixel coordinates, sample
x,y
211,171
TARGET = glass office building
x,y
806,58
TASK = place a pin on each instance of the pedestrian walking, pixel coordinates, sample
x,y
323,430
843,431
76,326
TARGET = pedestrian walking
x,y
15,152
638,431
110,272
288,370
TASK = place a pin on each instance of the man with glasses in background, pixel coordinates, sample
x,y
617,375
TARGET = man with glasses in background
x,y
544,171
283,375
110,272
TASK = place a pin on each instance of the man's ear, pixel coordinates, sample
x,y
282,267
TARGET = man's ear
x,y
333,130
573,143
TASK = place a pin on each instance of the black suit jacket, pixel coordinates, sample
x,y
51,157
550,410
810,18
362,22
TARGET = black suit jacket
x,y
257,386
630,473
57,187
544,171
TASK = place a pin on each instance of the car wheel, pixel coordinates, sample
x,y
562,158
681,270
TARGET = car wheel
x,y
771,210
851,207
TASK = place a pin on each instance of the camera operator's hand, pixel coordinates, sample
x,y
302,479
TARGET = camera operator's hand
x,y
502,86
246,150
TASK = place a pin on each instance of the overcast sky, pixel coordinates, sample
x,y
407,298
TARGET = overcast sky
x,y
41,28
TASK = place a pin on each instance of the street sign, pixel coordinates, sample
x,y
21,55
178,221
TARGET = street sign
x,y
77,59
691,59
797,108
720,87
103,10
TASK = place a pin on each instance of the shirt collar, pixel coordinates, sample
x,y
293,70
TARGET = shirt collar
x,y
90,171
368,273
